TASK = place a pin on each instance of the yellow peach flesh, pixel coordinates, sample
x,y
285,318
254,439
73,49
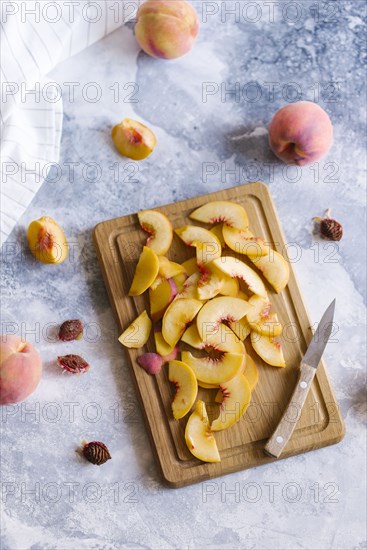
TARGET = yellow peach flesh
x,y
133,139
47,241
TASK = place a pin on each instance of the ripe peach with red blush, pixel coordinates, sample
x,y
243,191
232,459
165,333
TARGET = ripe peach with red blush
x,y
20,369
166,29
300,133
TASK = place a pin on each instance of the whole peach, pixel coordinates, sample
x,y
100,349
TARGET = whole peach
x,y
20,369
300,133
166,29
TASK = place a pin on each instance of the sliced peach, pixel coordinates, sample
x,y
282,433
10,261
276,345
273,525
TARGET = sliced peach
x,y
177,316
235,268
223,339
160,297
179,280
269,349
136,335
192,337
229,287
241,328
47,241
208,386
190,289
274,268
244,242
216,311
209,284
230,213
217,230
183,377
133,139
207,245
157,281
251,372
213,282
198,436
236,397
145,273
169,269
217,370
261,320
161,345
160,229
190,266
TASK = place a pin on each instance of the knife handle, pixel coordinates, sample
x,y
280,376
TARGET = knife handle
x,y
291,415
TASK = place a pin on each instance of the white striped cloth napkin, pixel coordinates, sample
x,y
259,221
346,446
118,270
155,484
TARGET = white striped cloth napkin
x,y
35,36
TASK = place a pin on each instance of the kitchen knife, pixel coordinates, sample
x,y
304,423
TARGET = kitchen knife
x,y
309,364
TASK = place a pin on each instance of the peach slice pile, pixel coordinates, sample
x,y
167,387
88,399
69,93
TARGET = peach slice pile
x,y
204,309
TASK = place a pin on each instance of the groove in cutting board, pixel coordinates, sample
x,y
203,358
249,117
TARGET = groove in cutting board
x,y
119,243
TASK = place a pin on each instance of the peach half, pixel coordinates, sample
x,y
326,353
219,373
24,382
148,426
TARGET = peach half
x,y
133,139
47,241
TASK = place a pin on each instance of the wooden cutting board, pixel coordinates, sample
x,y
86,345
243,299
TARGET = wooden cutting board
x,y
119,243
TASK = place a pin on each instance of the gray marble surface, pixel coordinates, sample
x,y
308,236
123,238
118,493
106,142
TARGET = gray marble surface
x,y
50,497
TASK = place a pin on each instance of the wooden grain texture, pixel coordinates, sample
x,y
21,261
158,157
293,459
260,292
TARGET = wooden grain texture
x,y
119,243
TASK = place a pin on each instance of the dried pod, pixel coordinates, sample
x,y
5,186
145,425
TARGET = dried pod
x,y
329,229
96,452
73,363
71,330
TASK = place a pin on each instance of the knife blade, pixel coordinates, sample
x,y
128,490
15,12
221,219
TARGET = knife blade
x,y
308,368
320,338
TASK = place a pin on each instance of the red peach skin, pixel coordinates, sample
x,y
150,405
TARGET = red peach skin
x,y
166,29
300,133
20,369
